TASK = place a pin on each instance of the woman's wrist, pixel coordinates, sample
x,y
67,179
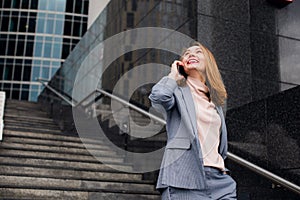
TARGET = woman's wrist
x,y
172,75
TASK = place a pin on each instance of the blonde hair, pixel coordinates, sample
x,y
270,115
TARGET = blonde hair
x,y
214,80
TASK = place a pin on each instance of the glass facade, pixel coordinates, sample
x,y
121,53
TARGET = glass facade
x,y
36,36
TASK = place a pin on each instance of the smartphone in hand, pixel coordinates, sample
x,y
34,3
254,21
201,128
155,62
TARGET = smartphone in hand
x,y
181,70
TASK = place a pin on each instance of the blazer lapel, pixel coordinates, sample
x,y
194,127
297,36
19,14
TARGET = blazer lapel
x,y
190,107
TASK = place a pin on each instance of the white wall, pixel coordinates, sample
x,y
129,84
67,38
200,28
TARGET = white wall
x,y
95,8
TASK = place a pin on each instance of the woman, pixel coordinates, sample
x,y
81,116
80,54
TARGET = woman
x,y
193,164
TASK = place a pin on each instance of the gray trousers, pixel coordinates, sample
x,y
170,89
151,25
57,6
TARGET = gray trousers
x,y
219,186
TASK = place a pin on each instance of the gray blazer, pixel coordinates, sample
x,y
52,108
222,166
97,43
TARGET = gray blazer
x,y
182,164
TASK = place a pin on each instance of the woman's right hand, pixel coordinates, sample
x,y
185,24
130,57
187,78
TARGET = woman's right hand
x,y
174,74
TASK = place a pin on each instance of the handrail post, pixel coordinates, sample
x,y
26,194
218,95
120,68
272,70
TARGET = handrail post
x,y
2,105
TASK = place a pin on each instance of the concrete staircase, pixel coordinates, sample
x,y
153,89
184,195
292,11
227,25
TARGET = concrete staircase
x,y
38,161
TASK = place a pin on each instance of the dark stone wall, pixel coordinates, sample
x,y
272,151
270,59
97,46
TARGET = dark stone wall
x,y
256,45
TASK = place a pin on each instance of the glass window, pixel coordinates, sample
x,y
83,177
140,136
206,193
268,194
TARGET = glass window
x,y
27,62
51,5
39,38
29,48
59,27
69,6
26,73
8,71
134,5
46,63
1,68
86,7
41,24
23,26
43,4
53,71
77,29
41,15
24,95
17,73
30,38
7,4
15,3
15,94
34,4
60,5
58,39
20,48
45,72
11,45
49,26
3,42
56,65
25,86
34,87
31,25
38,49
13,24
50,16
7,86
61,17
68,28
4,24
57,50
66,51
130,20
35,72
25,4
47,50
33,96
78,7
37,62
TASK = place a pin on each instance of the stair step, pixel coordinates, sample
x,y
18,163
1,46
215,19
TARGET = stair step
x,y
76,185
22,140
29,125
30,129
59,156
56,149
118,196
46,136
27,117
60,164
21,194
55,138
68,174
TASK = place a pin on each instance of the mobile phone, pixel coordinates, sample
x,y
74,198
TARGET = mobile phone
x,y
181,70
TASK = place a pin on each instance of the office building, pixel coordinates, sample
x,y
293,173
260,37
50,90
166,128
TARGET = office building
x,y
36,36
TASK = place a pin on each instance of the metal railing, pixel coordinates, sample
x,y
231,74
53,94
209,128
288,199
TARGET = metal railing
x,y
42,81
263,172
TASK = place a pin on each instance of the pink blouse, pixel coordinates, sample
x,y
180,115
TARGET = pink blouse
x,y
208,124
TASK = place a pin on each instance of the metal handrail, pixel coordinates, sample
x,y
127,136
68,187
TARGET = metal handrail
x,y
136,108
56,92
269,175
265,173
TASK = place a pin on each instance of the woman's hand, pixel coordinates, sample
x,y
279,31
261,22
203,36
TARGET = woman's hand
x,y
174,74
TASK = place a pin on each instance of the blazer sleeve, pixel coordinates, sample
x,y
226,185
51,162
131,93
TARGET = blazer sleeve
x,y
162,93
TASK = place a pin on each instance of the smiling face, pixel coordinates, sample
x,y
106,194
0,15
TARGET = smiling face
x,y
194,60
